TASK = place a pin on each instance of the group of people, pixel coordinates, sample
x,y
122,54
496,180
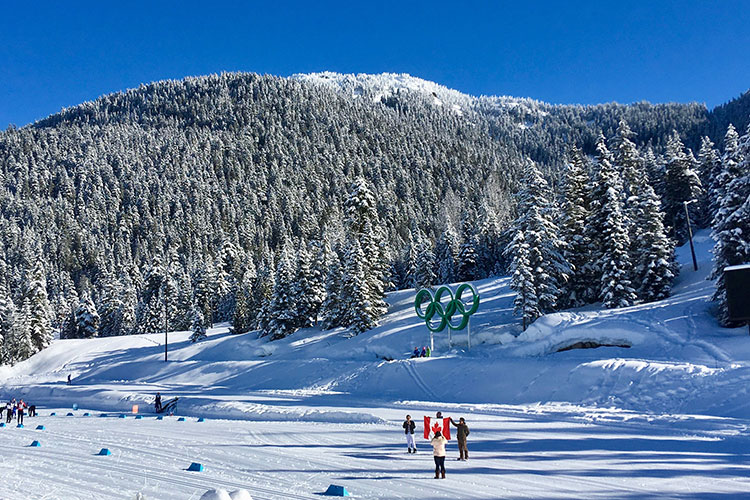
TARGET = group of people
x,y
16,409
423,353
439,441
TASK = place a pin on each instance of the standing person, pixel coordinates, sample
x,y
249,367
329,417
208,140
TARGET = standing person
x,y
438,453
8,412
409,427
68,378
157,403
461,434
19,419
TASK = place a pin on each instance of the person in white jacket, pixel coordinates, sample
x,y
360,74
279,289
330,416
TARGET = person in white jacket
x,y
438,452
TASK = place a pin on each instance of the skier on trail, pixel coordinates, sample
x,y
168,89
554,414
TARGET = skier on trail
x,y
157,403
409,426
438,453
461,435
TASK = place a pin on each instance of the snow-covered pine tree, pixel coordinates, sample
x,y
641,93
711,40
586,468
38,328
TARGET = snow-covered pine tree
x,y
488,250
87,319
150,310
128,303
682,184
358,313
654,256
198,326
226,280
446,252
7,323
409,261
466,262
628,162
655,171
320,250
67,301
361,222
202,292
39,325
21,345
177,291
263,286
283,320
536,213
709,168
182,310
612,243
522,281
109,305
729,169
375,265
302,288
731,225
242,319
331,310
575,212
424,273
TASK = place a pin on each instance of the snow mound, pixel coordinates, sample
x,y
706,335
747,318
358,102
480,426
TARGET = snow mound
x,y
220,494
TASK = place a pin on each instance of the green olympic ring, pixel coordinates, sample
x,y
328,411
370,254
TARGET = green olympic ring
x,y
445,311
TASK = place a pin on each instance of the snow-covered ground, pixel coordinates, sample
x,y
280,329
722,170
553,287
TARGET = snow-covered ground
x,y
666,417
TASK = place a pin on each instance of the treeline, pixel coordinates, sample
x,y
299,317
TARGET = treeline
x,y
609,235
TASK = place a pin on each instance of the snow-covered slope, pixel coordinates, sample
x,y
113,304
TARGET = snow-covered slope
x,y
678,360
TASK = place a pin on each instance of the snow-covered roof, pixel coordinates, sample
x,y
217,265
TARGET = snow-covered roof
x,y
737,267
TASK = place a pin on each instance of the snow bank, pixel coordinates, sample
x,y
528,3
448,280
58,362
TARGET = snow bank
x,y
221,494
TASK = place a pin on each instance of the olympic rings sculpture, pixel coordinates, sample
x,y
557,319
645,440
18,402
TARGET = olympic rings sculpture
x,y
436,306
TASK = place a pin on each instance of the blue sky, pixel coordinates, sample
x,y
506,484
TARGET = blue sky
x,y
58,54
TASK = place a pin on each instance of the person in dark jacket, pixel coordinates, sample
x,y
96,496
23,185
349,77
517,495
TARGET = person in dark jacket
x,y
20,409
157,403
461,434
409,427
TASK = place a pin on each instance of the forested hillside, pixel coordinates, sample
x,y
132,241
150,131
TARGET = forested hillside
x,y
209,198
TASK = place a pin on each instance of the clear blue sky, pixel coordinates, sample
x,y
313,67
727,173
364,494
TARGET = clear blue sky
x,y
58,54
